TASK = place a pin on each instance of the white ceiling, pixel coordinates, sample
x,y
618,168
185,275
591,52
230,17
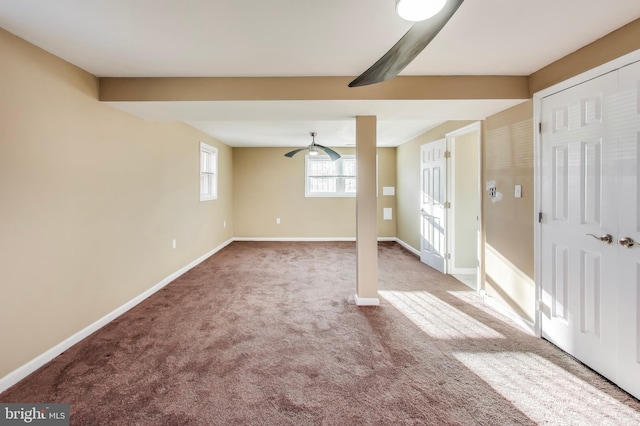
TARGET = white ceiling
x,y
170,38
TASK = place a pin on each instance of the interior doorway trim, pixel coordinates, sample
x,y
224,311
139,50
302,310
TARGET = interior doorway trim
x,y
610,66
450,137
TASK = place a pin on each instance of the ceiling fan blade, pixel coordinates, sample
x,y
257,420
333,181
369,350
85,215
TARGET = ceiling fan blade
x,y
332,154
290,154
407,48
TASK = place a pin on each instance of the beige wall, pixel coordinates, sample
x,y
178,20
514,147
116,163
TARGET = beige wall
x,y
509,222
408,190
387,174
267,185
91,199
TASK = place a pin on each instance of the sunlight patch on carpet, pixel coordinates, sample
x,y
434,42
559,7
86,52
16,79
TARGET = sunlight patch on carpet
x,y
437,318
477,302
545,392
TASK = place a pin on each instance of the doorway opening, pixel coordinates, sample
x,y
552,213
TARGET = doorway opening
x,y
465,193
451,204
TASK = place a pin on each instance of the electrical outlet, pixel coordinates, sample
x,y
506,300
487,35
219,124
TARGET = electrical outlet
x,y
277,221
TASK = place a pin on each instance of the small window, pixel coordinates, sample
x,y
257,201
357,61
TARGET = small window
x,y
326,178
208,172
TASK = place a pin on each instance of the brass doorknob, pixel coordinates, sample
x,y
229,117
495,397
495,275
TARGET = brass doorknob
x,y
606,238
626,242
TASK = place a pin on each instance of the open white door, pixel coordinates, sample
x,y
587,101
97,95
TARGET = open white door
x,y
433,172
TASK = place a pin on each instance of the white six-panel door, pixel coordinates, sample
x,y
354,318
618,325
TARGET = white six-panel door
x,y
627,153
589,196
432,210
579,306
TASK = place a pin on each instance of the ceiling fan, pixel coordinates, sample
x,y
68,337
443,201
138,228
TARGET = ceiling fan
x,y
313,149
411,44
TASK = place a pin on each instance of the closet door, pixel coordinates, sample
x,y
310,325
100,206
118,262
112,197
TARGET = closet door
x,y
628,150
578,203
590,192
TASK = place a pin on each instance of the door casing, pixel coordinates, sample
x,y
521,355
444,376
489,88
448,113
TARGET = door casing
x,y
451,186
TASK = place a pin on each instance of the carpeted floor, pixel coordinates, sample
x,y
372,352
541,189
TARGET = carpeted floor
x,y
267,334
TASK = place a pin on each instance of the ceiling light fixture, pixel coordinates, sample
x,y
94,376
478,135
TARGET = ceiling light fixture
x,y
418,10
313,149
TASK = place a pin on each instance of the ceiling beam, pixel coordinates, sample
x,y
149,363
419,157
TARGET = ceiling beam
x,y
113,89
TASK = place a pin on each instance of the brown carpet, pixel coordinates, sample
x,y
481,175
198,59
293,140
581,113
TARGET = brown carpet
x,y
267,334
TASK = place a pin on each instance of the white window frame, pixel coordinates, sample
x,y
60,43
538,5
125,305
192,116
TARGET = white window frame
x,y
208,172
340,187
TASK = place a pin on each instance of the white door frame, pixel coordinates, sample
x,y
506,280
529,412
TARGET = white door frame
x,y
537,161
450,185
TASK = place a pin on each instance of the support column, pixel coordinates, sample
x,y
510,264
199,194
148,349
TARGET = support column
x,y
366,213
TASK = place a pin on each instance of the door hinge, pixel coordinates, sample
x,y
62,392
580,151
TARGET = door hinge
x,y
447,205
540,127
447,256
540,217
540,306
447,154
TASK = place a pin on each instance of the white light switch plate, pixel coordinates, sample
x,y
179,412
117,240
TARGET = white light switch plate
x,y
518,191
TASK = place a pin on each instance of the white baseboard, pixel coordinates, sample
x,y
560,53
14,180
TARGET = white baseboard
x,y
522,322
294,239
367,301
303,239
463,271
21,372
408,247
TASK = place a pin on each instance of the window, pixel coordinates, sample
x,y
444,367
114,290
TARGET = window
x,y
326,178
208,172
